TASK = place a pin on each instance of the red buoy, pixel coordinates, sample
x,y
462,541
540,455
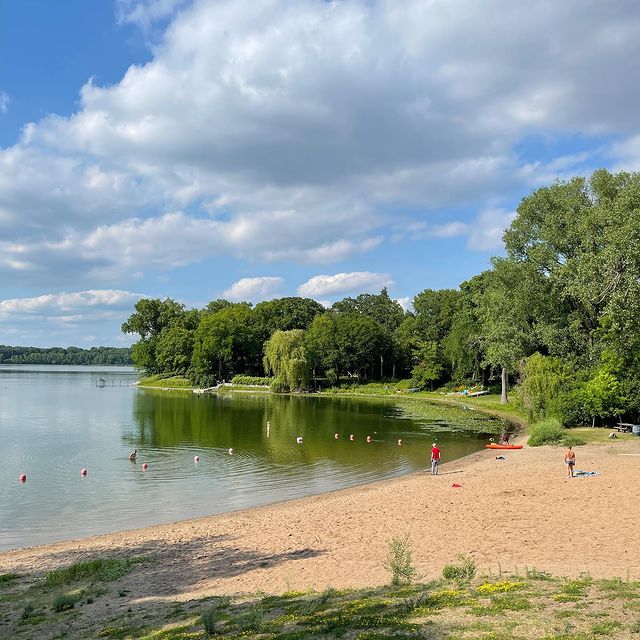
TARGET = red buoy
x,y
145,466
23,478
83,472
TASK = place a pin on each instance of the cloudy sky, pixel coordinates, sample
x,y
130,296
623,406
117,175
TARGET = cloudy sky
x,y
257,148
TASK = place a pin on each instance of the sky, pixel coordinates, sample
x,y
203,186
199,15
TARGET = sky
x,y
252,149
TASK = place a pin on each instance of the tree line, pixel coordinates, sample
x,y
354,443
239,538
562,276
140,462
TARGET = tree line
x,y
70,355
558,314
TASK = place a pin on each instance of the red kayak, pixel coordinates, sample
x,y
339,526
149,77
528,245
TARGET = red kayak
x,y
493,445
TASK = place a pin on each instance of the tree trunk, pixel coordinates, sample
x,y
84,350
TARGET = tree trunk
x,y
381,363
393,374
504,398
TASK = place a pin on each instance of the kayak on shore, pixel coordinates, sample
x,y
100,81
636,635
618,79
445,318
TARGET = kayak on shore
x,y
493,445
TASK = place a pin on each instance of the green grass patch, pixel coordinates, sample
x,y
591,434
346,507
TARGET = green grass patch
x,y
163,381
7,578
606,628
98,570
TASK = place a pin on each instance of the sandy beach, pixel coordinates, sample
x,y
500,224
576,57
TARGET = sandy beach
x,y
521,511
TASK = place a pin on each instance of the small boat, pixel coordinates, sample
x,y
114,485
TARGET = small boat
x,y
494,445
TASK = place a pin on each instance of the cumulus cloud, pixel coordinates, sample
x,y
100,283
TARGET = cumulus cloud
x,y
62,304
57,318
296,130
254,289
339,283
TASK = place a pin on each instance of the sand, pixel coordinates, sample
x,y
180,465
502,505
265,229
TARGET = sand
x,y
519,512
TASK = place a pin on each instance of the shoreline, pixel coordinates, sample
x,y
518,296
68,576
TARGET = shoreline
x,y
506,514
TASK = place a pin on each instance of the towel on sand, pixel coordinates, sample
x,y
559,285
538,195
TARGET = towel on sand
x,y
584,474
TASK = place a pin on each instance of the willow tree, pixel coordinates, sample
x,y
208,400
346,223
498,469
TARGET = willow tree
x,y
285,357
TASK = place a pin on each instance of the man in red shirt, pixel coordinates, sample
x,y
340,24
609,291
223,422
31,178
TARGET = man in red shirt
x,y
435,459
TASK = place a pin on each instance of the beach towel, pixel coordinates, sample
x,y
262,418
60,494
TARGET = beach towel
x,y
584,474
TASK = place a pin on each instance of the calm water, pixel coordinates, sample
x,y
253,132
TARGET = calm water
x,y
55,420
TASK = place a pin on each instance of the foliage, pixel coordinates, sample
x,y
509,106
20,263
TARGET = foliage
x,y
70,355
547,431
258,381
63,602
285,356
400,560
544,382
465,570
101,569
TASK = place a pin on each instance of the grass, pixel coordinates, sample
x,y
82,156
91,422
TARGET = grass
x,y
163,381
502,608
99,570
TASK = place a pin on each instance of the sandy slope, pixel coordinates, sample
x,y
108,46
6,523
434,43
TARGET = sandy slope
x,y
516,512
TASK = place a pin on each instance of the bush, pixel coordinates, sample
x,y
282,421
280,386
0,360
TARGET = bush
x,y
399,561
547,431
63,602
251,380
209,620
466,570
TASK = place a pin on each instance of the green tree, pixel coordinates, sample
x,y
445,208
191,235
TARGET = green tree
x,y
285,356
226,343
175,349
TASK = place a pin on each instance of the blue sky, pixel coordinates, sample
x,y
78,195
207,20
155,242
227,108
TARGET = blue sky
x,y
259,148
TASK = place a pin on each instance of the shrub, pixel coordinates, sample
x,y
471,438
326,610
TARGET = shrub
x,y
466,570
63,602
547,431
209,620
399,560
251,380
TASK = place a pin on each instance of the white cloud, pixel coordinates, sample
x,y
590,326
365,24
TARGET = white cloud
x,y
328,285
4,102
254,289
61,304
405,303
300,128
485,233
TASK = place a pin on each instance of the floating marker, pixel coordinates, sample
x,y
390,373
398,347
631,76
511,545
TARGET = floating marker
x,y
336,436
456,486
196,458
145,466
352,437
299,439
23,478
230,451
368,438
399,441
83,472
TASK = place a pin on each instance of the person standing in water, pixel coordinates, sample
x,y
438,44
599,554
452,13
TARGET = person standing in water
x,y
570,461
435,459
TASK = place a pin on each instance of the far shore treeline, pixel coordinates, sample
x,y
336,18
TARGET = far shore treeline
x,y
558,315
70,355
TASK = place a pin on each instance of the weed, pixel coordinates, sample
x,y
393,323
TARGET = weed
x,y
27,612
605,628
6,578
466,570
63,602
399,561
635,627
499,587
535,574
210,620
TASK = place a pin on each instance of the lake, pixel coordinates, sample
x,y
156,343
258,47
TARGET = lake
x,y
55,420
